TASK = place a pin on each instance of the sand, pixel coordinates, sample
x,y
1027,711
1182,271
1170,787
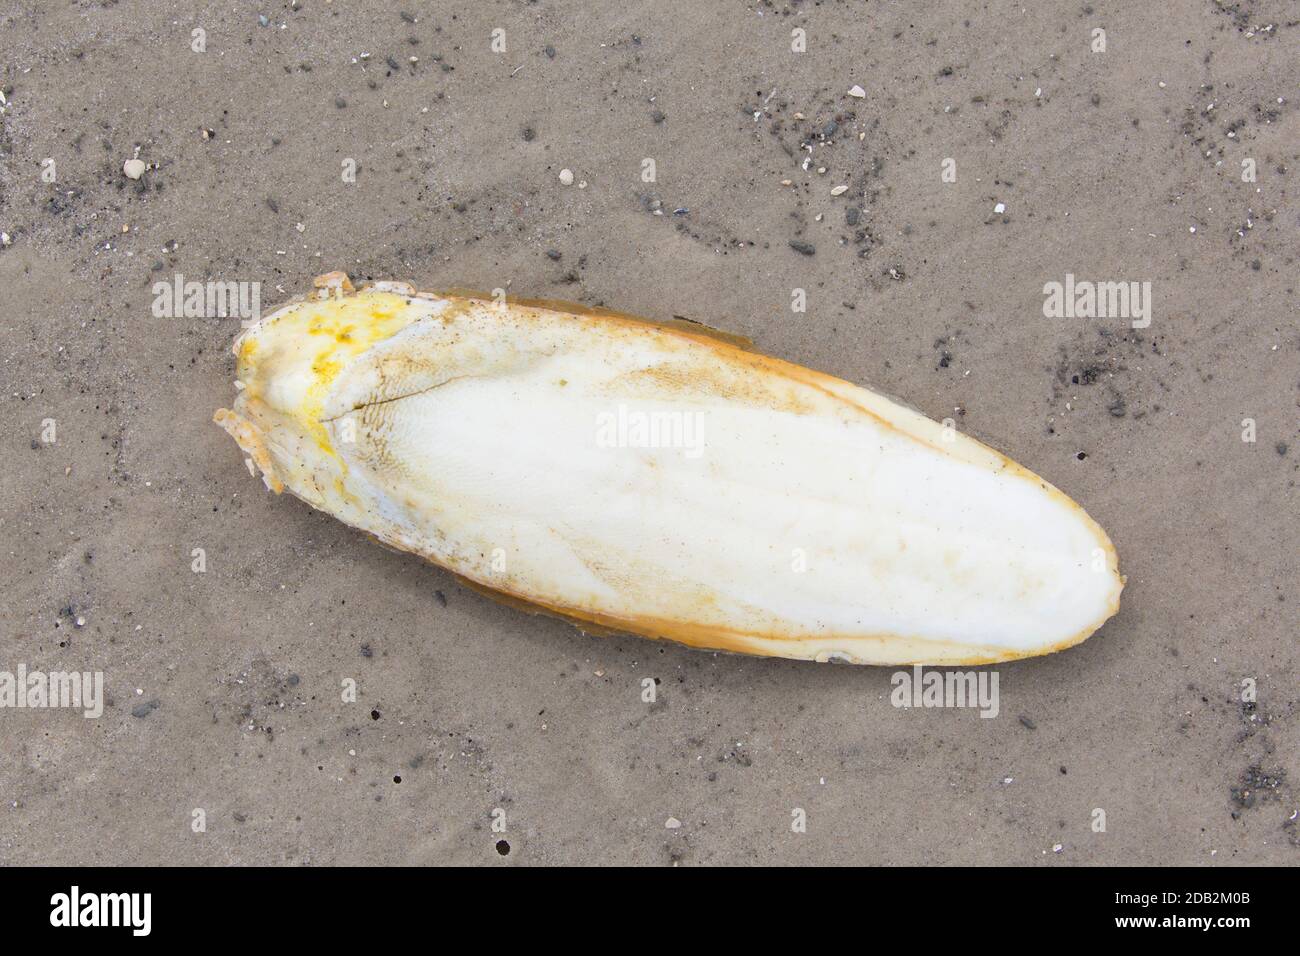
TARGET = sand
x,y
481,735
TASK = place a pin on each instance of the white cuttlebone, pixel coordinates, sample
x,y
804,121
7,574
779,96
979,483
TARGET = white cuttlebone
x,y
796,515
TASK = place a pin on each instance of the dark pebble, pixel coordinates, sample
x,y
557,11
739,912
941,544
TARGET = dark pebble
x,y
1281,448
1028,724
851,215
144,710
340,102
553,254
803,248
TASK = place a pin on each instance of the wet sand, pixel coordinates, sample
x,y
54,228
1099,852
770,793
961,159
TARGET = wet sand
x,y
224,687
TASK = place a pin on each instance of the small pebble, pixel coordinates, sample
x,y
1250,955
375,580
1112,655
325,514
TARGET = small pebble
x,y
672,823
1000,208
134,168
839,190
857,92
566,177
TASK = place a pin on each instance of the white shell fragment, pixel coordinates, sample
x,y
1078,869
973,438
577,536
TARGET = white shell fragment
x,y
664,480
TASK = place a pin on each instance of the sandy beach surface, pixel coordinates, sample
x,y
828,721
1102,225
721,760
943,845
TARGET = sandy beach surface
x,y
994,149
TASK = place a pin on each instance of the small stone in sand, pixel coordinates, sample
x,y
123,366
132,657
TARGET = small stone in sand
x,y
839,190
566,177
134,168
672,823
857,92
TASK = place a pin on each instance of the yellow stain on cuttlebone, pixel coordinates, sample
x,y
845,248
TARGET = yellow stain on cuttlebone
x,y
346,328
321,337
